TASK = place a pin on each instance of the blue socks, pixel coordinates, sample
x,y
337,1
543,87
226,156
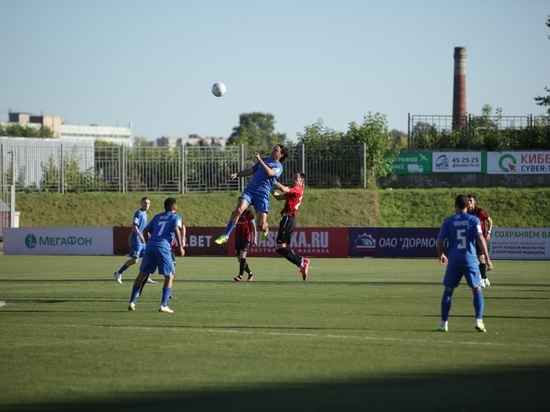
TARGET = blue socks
x,y
479,303
135,293
446,305
122,269
166,292
230,226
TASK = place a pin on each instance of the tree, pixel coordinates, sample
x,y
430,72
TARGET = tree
x,y
257,131
381,148
141,141
318,134
400,138
545,100
20,130
484,131
424,135
324,149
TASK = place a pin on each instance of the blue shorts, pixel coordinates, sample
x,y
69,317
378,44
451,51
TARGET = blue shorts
x,y
260,203
160,258
454,274
137,250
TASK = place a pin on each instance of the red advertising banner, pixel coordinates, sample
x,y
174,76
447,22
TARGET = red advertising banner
x,y
309,242
200,241
121,245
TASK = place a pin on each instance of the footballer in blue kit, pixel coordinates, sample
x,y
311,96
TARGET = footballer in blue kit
x,y
160,232
462,231
257,193
137,240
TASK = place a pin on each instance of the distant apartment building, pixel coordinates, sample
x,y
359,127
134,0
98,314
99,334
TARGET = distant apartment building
x,y
111,134
192,140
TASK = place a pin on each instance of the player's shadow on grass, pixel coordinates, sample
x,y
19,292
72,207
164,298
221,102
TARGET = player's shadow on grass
x,y
500,389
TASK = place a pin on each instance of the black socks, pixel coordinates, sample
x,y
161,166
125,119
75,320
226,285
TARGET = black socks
x,y
290,256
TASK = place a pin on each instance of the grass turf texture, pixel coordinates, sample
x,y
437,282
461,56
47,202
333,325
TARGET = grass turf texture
x,y
359,334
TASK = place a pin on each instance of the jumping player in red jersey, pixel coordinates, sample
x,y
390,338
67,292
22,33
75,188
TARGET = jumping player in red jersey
x,y
245,235
293,199
483,217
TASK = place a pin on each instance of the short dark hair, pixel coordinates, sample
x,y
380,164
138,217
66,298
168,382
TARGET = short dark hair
x,y
284,152
169,204
472,196
461,201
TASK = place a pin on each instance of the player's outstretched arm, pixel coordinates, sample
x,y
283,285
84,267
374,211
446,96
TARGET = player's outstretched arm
x,y
242,173
282,188
268,171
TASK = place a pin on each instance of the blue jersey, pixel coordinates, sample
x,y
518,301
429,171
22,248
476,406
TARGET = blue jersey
x,y
140,220
162,228
461,230
261,184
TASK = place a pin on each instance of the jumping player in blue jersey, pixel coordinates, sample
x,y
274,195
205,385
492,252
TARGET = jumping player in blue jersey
x,y
160,232
137,241
462,230
257,193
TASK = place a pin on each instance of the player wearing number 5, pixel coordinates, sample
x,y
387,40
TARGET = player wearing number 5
x,y
462,230
160,233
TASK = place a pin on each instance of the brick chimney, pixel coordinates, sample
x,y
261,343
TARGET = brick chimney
x,y
459,88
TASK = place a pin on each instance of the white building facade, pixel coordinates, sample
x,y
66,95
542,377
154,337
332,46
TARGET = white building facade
x,y
110,134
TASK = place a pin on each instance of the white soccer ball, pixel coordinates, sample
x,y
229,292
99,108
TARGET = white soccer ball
x,y
219,89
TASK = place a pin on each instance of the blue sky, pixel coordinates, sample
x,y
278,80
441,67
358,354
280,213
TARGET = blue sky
x,y
152,63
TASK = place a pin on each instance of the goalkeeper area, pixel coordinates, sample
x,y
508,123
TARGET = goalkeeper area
x,y
359,334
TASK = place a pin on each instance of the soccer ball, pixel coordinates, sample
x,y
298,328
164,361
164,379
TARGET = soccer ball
x,y
218,89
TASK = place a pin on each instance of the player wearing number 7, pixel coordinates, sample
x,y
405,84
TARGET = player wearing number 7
x,y
462,230
158,254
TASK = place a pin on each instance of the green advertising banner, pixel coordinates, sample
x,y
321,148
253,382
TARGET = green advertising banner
x,y
409,163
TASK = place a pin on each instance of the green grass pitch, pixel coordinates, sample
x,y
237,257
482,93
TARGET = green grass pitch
x,y
359,334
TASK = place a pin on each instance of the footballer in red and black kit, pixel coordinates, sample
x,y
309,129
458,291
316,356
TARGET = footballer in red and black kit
x,y
293,199
245,235
483,217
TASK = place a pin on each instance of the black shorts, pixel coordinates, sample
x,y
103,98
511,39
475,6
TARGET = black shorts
x,y
286,227
241,246
478,249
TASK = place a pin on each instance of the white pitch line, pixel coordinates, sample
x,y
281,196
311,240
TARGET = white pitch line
x,y
296,334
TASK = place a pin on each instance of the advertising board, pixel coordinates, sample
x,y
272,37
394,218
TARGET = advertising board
x,y
58,241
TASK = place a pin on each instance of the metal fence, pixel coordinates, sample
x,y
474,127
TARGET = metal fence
x,y
420,126
69,167
5,210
